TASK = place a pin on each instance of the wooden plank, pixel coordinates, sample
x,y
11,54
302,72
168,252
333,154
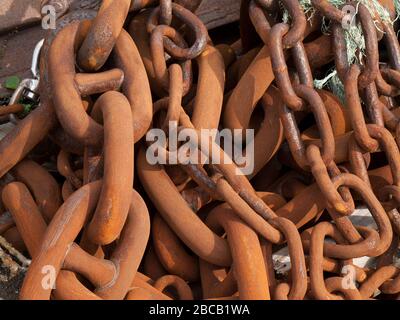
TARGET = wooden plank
x,y
215,13
18,14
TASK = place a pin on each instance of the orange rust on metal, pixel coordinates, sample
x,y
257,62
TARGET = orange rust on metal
x,y
216,281
67,102
69,218
138,31
210,89
14,108
103,34
319,51
246,252
217,232
25,136
65,169
124,258
171,252
248,92
32,226
170,281
182,220
135,86
43,186
270,135
112,209
152,265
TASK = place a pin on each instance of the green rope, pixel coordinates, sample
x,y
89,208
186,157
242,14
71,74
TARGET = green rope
x,y
337,88
375,6
307,6
354,38
353,35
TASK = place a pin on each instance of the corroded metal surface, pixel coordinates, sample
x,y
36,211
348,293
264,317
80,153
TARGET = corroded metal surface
x,y
83,196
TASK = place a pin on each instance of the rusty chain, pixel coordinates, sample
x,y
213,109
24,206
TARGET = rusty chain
x,y
113,225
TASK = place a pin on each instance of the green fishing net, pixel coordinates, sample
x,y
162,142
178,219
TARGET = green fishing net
x,y
353,36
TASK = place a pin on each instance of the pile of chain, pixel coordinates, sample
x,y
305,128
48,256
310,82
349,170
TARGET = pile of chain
x,y
323,195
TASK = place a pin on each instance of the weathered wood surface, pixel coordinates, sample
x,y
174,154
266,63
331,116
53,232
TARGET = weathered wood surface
x,y
215,13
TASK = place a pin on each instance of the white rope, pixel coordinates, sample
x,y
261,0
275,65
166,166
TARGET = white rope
x,y
397,7
319,84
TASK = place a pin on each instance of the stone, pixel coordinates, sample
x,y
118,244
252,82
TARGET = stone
x,y
16,51
18,14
